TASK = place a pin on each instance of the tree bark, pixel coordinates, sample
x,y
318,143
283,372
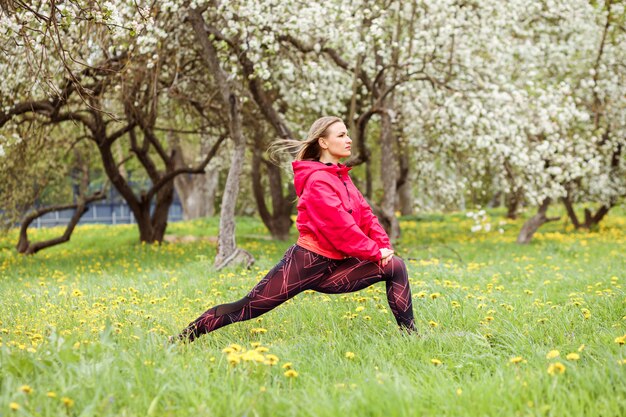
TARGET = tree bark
x,y
26,247
512,202
196,192
278,222
388,173
569,208
227,251
534,223
591,219
405,199
405,188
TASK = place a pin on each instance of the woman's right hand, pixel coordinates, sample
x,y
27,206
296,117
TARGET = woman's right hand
x,y
385,256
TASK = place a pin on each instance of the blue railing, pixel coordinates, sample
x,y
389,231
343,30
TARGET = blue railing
x,y
103,213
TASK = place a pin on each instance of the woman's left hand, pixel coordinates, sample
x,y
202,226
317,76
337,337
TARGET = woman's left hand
x,y
385,259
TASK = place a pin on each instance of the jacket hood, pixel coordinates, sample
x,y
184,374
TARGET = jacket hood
x,y
302,170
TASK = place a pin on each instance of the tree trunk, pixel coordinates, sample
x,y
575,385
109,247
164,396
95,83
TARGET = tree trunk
x,y
227,251
150,230
25,246
512,202
592,220
405,188
569,208
405,199
496,200
197,196
158,220
534,223
388,173
196,192
279,221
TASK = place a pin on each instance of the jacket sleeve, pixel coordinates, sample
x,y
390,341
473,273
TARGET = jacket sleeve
x,y
371,226
339,227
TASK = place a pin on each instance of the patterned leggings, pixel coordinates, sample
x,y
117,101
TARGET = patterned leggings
x,y
300,270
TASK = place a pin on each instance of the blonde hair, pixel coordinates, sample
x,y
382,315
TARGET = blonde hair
x,y
308,149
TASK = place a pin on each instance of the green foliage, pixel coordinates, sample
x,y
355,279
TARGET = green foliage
x,y
83,327
36,167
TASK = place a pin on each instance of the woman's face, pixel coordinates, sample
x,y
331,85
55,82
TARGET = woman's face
x,y
336,144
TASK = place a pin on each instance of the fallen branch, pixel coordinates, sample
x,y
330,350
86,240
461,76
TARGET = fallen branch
x,y
26,247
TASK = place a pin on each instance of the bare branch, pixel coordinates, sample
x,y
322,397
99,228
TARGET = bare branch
x,y
194,170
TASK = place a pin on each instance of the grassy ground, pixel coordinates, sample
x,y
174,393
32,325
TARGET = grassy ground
x,y
504,329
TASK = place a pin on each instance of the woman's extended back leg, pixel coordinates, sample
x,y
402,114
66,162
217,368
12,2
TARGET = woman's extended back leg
x,y
299,270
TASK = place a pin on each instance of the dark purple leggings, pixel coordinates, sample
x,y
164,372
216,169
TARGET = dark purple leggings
x,y
300,270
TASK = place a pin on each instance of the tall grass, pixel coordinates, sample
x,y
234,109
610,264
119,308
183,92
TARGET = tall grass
x,y
83,328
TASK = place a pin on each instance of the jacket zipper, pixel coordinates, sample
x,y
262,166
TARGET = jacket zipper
x,y
347,191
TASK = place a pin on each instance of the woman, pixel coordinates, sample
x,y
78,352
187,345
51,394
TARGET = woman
x,y
341,248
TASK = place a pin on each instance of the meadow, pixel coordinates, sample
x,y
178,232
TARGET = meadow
x,y
504,329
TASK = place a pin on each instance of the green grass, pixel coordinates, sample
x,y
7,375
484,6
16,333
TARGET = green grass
x,y
87,322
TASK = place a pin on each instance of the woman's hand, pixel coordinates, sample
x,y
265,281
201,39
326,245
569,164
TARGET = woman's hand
x,y
385,256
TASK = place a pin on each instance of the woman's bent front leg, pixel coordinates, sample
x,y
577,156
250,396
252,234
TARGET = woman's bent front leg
x,y
354,275
297,271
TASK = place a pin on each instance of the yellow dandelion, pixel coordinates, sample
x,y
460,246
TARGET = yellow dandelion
x,y
291,373
455,304
572,356
235,347
620,340
581,347
435,295
258,330
459,391
77,293
287,365
516,359
233,359
350,355
51,394
621,362
436,362
421,294
556,368
433,323
261,349
255,344
68,402
553,354
271,360
489,318
26,389
359,309
14,406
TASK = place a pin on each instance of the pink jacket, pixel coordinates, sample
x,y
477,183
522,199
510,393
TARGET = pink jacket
x,y
334,220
